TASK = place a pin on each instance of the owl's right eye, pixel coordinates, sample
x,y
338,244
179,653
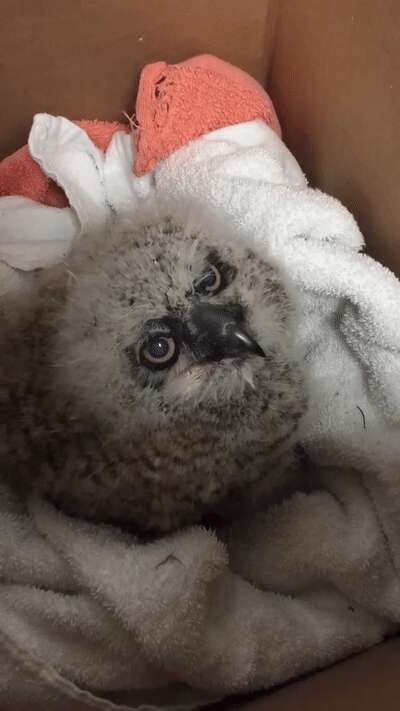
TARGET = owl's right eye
x,y
209,283
159,352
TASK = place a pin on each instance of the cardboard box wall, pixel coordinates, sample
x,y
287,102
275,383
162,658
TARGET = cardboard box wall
x,y
332,68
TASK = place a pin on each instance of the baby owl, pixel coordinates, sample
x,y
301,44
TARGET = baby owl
x,y
149,376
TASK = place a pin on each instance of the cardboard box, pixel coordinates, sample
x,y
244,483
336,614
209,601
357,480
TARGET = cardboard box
x,y
332,69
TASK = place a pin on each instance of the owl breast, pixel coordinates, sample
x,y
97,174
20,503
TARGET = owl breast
x,y
154,483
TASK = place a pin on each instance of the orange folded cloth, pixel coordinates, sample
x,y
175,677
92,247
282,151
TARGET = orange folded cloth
x,y
177,103
21,175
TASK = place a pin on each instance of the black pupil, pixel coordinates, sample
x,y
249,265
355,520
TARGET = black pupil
x,y
208,280
158,347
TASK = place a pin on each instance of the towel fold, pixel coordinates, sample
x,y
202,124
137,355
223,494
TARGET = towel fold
x,y
177,103
117,614
34,235
21,175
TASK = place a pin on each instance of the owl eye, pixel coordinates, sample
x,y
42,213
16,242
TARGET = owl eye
x,y
209,283
159,352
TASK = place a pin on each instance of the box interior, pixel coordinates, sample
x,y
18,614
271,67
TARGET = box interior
x,y
332,70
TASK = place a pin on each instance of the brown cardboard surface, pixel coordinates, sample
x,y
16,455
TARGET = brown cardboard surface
x,y
81,58
367,682
335,69
335,80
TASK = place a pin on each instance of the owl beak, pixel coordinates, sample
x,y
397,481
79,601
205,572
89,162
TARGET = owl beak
x,y
239,339
219,333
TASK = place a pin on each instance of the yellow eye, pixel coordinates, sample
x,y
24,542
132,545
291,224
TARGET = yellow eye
x,y
159,352
209,283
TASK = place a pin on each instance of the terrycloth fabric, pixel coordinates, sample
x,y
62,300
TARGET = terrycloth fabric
x,y
177,103
318,242
97,180
33,234
276,594
21,175
85,607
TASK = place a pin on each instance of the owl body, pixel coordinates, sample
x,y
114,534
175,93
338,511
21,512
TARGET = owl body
x,y
150,377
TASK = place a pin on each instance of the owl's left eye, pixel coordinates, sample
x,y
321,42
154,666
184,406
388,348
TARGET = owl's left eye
x,y
159,352
209,283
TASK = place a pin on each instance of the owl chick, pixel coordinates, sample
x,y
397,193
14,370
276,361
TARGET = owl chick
x,y
149,377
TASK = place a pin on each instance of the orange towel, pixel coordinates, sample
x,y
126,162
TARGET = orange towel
x,y
177,103
21,175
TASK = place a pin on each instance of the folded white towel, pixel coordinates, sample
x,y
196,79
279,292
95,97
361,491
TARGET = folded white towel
x,y
292,589
67,155
350,303
115,614
34,235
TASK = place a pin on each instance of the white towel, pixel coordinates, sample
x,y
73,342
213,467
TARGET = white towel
x,y
86,610
350,303
34,235
84,607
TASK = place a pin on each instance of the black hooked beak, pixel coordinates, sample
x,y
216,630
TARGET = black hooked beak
x,y
218,332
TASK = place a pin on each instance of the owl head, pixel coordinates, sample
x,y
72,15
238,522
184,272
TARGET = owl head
x,y
163,324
